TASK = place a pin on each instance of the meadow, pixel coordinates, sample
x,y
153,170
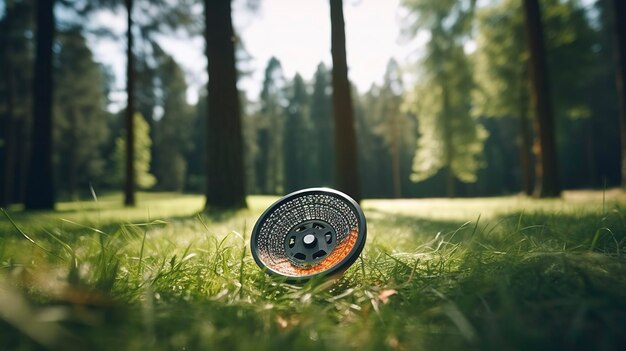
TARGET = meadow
x,y
510,273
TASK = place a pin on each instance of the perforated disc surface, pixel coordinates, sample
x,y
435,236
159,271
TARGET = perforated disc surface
x,y
317,231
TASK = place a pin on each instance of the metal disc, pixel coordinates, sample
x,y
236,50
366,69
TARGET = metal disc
x,y
311,232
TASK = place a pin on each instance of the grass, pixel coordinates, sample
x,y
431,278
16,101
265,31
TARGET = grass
x,y
479,274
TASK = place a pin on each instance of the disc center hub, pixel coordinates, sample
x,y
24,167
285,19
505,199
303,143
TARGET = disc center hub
x,y
309,242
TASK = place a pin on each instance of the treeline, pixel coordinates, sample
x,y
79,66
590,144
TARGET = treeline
x,y
462,127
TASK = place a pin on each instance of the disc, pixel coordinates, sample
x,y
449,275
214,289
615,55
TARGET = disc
x,y
311,232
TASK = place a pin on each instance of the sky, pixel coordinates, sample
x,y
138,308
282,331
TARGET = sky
x,y
295,32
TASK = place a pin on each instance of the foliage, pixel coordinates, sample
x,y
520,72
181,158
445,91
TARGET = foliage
x,y
574,50
449,137
270,123
463,274
80,127
173,129
299,163
144,179
394,125
16,60
322,120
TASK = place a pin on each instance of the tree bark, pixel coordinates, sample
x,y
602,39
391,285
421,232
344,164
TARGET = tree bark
x,y
224,167
546,164
10,136
619,12
40,188
129,176
345,136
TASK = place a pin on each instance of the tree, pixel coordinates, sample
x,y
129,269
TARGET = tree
x,y
450,138
40,188
501,75
573,47
323,146
546,168
16,70
373,150
80,126
619,17
225,169
299,163
157,15
270,123
173,134
393,125
142,156
346,161
129,178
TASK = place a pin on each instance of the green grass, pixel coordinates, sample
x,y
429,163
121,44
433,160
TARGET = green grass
x,y
481,274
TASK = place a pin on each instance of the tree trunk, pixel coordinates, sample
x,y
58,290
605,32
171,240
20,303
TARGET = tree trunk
x,y
619,11
129,177
345,137
10,137
40,188
546,165
225,168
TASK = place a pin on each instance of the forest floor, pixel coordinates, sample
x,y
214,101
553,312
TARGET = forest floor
x,y
480,274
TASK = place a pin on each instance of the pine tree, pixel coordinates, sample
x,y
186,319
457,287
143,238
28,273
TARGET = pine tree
x,y
619,10
16,70
546,166
346,156
225,164
80,123
323,145
450,138
173,130
394,125
40,187
299,164
270,124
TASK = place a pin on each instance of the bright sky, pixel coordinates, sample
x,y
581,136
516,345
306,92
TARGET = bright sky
x,y
296,32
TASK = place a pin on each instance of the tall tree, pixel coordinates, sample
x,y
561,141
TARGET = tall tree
x,y
40,188
225,168
573,47
619,17
173,134
546,167
297,150
373,150
16,69
323,146
450,138
346,155
500,61
80,122
129,179
393,125
270,124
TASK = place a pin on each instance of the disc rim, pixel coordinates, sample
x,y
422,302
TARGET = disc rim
x,y
344,264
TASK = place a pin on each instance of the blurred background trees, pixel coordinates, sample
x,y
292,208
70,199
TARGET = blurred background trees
x,y
456,121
